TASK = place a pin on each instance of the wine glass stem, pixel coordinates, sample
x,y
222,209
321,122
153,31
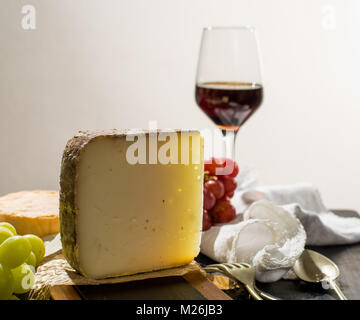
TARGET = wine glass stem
x,y
229,143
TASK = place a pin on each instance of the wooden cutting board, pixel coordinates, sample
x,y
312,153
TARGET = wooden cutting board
x,y
192,286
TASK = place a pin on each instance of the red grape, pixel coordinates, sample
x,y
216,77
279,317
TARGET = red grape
x,y
210,167
216,187
227,167
209,199
230,194
223,211
222,166
225,197
206,221
229,183
235,171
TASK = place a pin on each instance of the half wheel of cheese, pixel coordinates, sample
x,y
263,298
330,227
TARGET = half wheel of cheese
x,y
31,212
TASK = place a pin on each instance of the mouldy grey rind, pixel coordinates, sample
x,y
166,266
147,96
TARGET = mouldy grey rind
x,y
68,180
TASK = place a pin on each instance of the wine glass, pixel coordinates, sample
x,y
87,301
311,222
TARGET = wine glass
x,y
228,82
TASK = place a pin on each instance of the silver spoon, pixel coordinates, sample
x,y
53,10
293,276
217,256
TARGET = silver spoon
x,y
314,267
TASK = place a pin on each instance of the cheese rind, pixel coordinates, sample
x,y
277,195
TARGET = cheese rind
x,y
117,218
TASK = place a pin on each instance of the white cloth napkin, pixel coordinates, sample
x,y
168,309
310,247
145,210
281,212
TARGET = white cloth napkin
x,y
322,226
272,226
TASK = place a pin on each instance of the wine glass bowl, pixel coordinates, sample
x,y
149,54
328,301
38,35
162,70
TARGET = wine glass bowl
x,y
229,104
228,82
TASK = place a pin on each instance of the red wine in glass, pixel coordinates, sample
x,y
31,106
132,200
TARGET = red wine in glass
x,y
229,104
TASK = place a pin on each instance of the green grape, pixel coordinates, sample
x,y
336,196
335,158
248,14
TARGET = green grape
x,y
4,234
6,283
23,278
37,246
31,260
14,251
9,226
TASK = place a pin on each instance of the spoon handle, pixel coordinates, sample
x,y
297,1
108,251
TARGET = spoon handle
x,y
336,288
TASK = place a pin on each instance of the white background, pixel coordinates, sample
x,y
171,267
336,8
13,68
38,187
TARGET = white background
x,y
119,64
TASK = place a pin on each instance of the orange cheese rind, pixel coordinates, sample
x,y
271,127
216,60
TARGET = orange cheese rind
x,y
31,212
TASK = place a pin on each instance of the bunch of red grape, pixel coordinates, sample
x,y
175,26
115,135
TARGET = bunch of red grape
x,y
219,187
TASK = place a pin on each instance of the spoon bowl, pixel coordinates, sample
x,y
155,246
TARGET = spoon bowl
x,y
314,267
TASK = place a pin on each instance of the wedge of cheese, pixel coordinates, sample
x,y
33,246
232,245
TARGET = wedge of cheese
x,y
125,209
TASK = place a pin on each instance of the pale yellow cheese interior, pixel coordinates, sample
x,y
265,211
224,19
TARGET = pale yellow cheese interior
x,y
135,218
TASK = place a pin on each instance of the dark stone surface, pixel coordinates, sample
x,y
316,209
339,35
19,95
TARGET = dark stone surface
x,y
167,288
